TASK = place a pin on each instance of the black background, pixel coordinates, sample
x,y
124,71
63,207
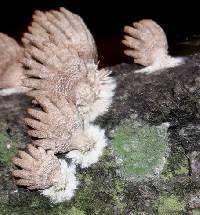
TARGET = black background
x,y
105,19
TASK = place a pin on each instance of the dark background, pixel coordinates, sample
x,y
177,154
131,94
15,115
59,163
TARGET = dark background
x,y
105,19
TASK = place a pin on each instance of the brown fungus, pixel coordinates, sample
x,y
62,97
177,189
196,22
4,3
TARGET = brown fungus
x,y
63,28
146,39
54,64
58,127
147,45
11,71
40,168
61,71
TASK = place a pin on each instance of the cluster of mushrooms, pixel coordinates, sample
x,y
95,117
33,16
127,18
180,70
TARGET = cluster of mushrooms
x,y
58,67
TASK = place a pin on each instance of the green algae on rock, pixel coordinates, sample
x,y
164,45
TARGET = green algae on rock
x,y
101,189
196,211
75,211
172,205
140,149
38,205
8,149
176,165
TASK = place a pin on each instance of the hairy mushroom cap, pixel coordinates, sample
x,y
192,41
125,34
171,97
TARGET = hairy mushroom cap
x,y
63,28
146,41
11,71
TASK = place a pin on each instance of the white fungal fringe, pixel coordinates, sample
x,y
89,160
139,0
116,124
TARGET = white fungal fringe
x,y
9,91
86,159
106,92
65,188
163,61
105,99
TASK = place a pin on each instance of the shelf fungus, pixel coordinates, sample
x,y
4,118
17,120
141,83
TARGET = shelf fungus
x,y
63,28
147,45
62,75
55,65
11,71
59,128
42,170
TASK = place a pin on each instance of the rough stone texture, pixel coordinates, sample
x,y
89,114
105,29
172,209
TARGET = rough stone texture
x,y
172,96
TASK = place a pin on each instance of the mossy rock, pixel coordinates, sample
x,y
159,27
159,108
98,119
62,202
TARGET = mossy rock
x,y
140,149
170,96
196,211
172,205
100,192
8,148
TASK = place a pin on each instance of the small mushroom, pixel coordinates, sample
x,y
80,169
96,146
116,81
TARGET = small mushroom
x,y
147,45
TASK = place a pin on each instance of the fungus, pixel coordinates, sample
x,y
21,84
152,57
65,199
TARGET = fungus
x,y
44,171
148,46
62,75
11,71
60,128
55,65
63,28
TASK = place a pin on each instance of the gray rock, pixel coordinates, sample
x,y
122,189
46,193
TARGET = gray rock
x,y
194,200
195,167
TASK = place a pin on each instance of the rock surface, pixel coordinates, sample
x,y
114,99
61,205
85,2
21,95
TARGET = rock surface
x,y
169,96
